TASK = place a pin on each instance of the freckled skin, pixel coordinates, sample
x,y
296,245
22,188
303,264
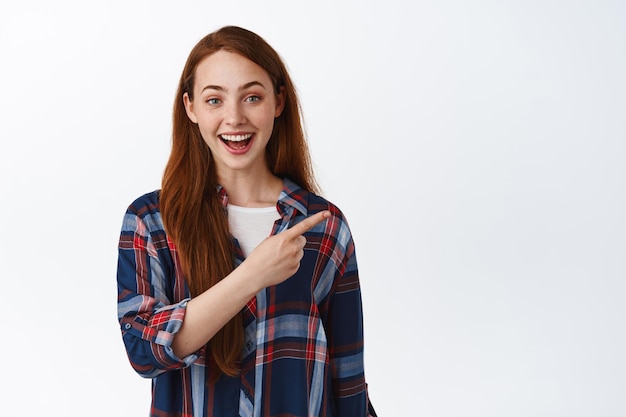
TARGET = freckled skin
x,y
233,95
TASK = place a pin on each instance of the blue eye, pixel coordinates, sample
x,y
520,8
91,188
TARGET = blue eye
x,y
213,101
253,99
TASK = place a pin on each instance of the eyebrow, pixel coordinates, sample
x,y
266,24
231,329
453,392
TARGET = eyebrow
x,y
241,88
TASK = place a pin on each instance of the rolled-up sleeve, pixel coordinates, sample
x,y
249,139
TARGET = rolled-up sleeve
x,y
149,317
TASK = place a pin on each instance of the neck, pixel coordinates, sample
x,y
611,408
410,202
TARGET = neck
x,y
252,189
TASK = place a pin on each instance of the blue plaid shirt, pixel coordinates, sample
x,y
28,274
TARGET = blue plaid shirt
x,y
303,349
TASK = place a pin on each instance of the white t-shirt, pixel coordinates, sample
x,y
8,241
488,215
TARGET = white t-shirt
x,y
250,225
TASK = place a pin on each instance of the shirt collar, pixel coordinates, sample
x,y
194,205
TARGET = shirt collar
x,y
292,195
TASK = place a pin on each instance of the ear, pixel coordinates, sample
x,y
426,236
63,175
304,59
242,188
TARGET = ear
x,y
189,108
280,102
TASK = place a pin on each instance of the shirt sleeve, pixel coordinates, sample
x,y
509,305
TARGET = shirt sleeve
x,y
344,326
147,315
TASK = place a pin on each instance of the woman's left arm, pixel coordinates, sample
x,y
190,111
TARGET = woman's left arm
x,y
344,326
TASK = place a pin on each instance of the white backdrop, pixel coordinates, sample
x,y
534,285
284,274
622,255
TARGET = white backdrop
x,y
477,148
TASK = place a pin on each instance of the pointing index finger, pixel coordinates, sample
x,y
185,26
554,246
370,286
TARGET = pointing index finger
x,y
308,223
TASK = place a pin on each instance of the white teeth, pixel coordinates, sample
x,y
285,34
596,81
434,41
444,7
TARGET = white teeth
x,y
236,138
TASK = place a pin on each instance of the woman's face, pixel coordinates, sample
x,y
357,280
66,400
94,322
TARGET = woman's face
x,y
234,106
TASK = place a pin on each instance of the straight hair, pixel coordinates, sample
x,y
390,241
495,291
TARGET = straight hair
x,y
192,212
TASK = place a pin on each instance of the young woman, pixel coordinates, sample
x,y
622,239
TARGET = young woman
x,y
238,291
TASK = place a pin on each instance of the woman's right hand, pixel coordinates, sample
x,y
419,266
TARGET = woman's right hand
x,y
278,257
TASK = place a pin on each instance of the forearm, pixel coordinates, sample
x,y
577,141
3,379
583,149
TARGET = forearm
x,y
273,261
207,313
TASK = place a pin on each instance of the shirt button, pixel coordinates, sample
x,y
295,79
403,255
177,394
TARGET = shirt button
x,y
248,345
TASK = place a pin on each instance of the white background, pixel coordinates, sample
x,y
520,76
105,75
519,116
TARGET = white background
x,y
477,148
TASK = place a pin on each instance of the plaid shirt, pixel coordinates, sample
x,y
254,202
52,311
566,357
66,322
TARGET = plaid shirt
x,y
303,348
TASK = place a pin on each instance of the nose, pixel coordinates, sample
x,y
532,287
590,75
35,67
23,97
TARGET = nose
x,y
235,115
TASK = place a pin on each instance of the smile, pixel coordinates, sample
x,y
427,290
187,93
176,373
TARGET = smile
x,y
236,142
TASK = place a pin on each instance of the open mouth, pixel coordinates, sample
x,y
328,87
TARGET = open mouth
x,y
236,141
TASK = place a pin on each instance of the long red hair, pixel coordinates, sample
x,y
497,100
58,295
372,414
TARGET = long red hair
x,y
192,213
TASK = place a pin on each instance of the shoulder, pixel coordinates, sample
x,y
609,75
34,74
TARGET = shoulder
x,y
317,203
336,227
145,205
144,213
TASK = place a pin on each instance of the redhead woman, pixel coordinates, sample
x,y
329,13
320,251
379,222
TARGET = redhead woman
x,y
238,289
